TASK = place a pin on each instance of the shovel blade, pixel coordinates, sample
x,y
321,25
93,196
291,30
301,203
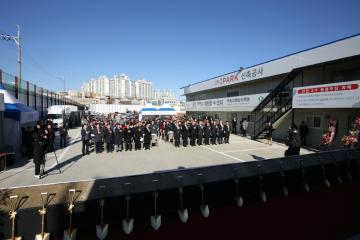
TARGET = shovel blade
x,y
239,201
183,215
70,235
128,225
204,209
306,187
102,231
262,196
16,238
285,191
155,222
39,236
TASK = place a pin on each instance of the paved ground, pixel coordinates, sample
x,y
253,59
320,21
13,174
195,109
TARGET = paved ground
x,y
164,157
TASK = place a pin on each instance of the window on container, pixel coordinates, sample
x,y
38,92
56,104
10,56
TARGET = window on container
x,y
313,121
234,93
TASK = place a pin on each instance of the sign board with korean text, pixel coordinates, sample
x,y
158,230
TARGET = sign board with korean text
x,y
2,105
239,103
333,51
335,95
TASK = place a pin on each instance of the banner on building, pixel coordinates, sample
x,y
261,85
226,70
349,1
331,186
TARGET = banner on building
x,y
335,95
246,101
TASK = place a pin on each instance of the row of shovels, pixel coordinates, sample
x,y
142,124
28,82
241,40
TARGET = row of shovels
x,y
155,220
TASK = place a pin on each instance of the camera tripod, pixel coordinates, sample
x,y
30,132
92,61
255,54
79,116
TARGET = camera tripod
x,y
42,167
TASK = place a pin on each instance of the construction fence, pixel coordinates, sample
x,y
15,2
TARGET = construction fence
x,y
32,95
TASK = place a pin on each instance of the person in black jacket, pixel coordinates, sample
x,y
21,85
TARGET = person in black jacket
x,y
119,138
192,131
220,132
137,136
200,133
226,132
234,123
177,133
147,137
108,135
98,138
128,137
207,133
304,130
85,137
185,134
213,134
38,150
63,133
51,137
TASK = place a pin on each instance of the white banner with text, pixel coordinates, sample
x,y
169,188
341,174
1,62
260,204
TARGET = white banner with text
x,y
335,95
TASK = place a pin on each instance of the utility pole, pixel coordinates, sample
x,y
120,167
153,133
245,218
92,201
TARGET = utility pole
x,y
17,40
19,54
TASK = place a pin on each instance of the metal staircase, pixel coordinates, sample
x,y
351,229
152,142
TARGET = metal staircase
x,y
275,105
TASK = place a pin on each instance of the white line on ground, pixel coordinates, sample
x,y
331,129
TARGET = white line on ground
x,y
227,155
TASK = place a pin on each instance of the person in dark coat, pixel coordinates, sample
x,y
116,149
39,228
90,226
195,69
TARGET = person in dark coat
x,y
234,123
119,138
85,137
214,132
63,133
51,137
304,130
147,136
177,133
128,137
220,132
268,132
192,131
185,134
207,133
200,133
38,151
137,136
294,146
98,138
108,137
226,132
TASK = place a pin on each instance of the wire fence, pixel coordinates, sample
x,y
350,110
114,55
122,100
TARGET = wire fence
x,y
32,95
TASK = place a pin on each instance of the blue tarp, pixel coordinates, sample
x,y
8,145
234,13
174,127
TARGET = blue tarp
x,y
16,110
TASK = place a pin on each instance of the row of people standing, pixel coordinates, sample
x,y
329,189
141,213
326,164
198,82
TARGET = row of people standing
x,y
111,135
198,132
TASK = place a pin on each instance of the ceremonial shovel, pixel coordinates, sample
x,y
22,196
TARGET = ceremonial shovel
x,y
70,234
102,229
45,198
155,219
204,208
183,212
238,199
128,223
15,203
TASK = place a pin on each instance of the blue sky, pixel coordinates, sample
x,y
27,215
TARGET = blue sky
x,y
170,42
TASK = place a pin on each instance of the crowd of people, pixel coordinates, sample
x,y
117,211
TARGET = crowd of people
x,y
108,134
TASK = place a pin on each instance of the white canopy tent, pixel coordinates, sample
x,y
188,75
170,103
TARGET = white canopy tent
x,y
150,110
